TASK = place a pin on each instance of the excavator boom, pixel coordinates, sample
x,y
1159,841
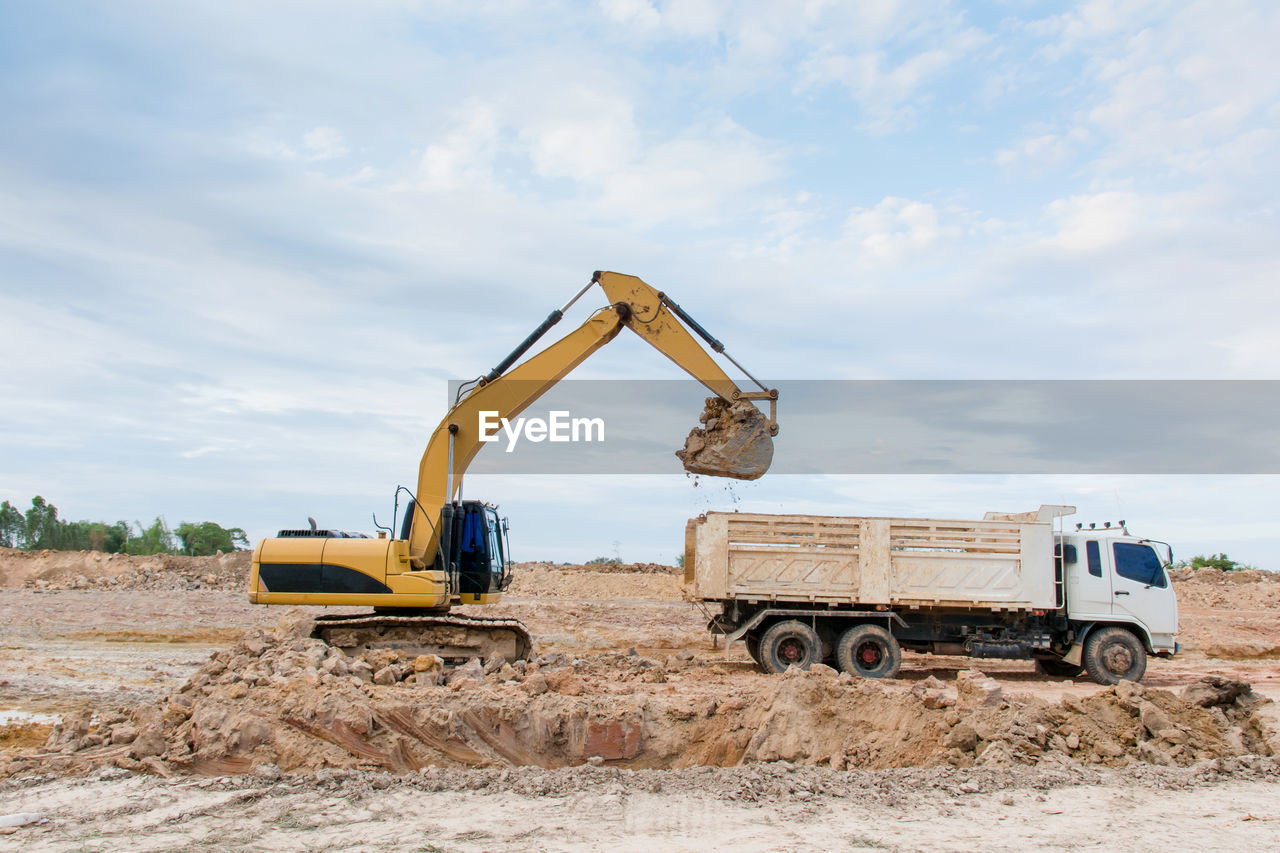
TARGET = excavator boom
x,y
634,305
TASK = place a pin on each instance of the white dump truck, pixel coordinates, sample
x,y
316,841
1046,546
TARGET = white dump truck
x,y
802,589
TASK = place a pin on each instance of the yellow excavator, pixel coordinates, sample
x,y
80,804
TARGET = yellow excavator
x,y
452,551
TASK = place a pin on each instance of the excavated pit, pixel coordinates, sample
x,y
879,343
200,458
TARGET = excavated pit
x,y
734,441
285,702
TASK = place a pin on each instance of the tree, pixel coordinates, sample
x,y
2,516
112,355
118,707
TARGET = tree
x,y
156,539
40,527
12,526
207,538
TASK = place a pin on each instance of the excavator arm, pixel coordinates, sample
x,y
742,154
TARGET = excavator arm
x,y
634,305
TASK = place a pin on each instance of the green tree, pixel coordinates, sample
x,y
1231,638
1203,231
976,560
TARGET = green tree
x,y
156,539
207,538
12,526
41,525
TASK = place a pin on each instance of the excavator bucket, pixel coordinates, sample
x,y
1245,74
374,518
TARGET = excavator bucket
x,y
735,440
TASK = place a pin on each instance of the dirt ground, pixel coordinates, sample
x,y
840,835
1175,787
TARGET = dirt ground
x,y
73,645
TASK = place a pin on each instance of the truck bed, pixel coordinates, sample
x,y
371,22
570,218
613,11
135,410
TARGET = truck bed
x,y
1003,564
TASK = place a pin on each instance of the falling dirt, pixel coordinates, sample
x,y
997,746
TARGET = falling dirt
x,y
734,441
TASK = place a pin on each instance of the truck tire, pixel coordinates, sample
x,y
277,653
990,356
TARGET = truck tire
x,y
869,651
752,639
789,643
1112,655
1058,668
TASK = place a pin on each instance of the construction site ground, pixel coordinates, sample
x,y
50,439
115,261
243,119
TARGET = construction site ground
x,y
730,757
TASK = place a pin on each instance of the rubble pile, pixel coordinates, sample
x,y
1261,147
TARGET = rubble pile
x,y
82,570
282,702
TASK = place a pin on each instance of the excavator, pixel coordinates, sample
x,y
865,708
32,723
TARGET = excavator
x,y
455,552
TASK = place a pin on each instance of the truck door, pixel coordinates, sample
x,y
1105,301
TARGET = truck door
x,y
1140,589
1089,586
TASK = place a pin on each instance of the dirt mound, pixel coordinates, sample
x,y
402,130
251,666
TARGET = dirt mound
x,y
598,581
602,568
283,702
96,570
1251,590
1228,615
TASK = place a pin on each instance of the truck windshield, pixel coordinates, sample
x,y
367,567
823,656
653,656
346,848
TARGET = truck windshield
x,y
1138,563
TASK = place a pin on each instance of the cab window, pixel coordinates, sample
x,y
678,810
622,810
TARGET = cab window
x,y
1095,558
1138,563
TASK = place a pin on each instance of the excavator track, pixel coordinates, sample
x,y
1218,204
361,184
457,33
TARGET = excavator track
x,y
454,638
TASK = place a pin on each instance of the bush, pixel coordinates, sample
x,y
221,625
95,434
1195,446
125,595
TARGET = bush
x,y
1214,561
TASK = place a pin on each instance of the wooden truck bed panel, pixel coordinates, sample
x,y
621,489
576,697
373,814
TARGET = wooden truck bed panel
x,y
869,561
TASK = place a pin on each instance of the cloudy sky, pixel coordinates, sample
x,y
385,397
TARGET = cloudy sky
x,y
244,246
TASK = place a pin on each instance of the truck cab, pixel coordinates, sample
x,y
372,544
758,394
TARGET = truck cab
x,y
1114,577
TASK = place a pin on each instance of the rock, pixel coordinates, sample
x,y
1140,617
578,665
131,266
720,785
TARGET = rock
x,y
427,663
684,655
1215,690
429,678
998,754
335,665
1073,741
1153,719
153,764
124,733
386,675
535,684
565,681
469,671
821,670
962,737
976,690
296,625
1150,752
150,741
238,690
361,670
267,771
494,664
1129,693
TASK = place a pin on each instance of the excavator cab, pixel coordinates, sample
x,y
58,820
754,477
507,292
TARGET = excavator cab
x,y
473,548
481,554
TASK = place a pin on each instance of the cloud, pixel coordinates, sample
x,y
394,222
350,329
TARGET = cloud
x,y
324,143
463,159
1045,150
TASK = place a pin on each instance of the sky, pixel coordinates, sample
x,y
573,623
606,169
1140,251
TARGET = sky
x,y
245,246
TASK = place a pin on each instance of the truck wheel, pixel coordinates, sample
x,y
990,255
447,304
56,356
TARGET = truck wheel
x,y
1058,668
1113,654
869,651
753,645
788,643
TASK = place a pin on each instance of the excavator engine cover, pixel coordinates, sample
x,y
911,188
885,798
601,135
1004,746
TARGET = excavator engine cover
x,y
735,440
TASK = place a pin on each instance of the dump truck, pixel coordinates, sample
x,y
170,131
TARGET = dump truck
x,y
854,592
